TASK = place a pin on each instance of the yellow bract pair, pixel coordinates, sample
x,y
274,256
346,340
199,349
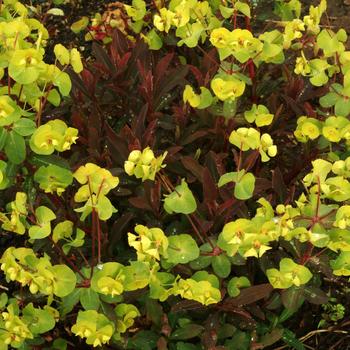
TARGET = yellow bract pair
x,y
53,136
97,182
143,164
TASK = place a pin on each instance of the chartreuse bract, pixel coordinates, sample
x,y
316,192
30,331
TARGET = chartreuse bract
x,y
88,297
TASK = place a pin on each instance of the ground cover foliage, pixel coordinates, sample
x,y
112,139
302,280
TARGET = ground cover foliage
x,y
183,187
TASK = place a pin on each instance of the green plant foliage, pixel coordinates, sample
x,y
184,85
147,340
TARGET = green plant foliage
x,y
149,243
42,229
289,274
64,231
235,284
181,200
96,183
95,327
39,274
143,164
182,249
244,183
53,178
201,101
109,279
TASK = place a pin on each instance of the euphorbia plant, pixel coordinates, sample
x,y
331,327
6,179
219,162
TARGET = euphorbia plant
x,y
138,207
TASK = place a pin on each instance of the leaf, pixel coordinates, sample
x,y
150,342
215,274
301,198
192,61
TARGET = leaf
x,y
15,147
75,61
229,177
44,214
77,242
69,301
59,344
244,189
221,265
285,315
342,107
46,160
39,321
137,275
154,311
63,82
271,338
89,299
103,58
55,12
181,200
64,281
54,97
226,12
300,274
193,166
62,230
252,294
143,340
206,98
53,178
27,73
153,40
239,341
315,295
40,232
80,25
209,187
205,276
3,300
189,331
104,208
292,298
24,126
243,8
235,284
3,137
62,54
182,249
329,100
202,261
244,183
290,339
185,346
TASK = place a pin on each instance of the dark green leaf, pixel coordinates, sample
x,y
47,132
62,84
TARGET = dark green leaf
x,y
89,299
290,339
187,332
15,148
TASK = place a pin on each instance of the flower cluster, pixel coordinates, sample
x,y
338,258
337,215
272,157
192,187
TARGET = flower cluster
x,y
53,136
96,183
144,165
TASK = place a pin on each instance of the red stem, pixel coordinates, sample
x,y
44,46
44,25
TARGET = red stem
x,y
93,238
9,85
251,66
191,218
65,257
98,228
42,106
